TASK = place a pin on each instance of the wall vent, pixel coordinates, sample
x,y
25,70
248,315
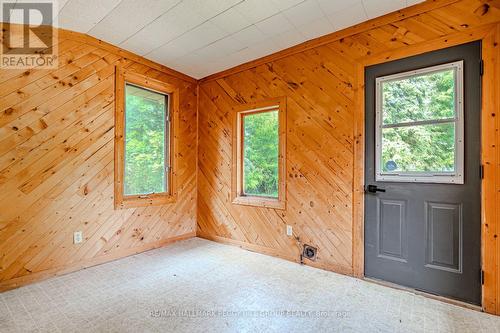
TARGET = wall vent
x,y
309,252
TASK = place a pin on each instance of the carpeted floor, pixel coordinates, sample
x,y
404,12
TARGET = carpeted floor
x,y
201,286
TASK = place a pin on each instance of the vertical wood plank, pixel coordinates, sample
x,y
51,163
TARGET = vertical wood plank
x,y
491,163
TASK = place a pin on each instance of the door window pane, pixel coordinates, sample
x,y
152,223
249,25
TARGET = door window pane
x,y
419,125
429,96
260,154
146,141
424,148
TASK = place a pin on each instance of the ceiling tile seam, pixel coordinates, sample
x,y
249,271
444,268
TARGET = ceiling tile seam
x,y
298,27
107,14
199,25
59,12
148,24
322,9
144,26
364,8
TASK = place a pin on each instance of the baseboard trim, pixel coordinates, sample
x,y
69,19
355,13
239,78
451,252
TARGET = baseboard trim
x,y
58,271
278,254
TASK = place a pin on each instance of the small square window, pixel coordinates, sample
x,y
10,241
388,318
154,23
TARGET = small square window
x,y
419,125
259,154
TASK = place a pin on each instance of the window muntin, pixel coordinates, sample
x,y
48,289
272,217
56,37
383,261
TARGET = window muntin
x,y
419,125
146,141
261,154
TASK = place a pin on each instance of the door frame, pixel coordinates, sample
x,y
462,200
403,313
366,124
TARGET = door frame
x,y
489,35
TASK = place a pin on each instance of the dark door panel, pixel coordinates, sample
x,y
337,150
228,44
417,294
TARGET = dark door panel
x,y
421,235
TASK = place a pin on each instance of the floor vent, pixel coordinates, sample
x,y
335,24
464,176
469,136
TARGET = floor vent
x,y
309,252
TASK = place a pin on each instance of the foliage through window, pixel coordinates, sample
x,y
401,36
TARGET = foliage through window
x,y
420,125
147,113
146,141
260,154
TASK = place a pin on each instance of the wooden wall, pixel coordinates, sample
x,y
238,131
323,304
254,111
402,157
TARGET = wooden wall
x,y
56,165
56,149
323,82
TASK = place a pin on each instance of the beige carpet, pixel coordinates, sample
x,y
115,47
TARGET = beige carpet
x,y
201,286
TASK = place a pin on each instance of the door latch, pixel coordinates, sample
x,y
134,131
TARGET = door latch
x,y
374,189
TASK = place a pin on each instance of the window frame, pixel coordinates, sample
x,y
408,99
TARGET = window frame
x,y
238,195
456,177
122,78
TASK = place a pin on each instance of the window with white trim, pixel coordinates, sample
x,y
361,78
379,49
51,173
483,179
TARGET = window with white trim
x,y
420,125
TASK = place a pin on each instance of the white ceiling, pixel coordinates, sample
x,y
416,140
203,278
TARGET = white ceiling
x,y
202,37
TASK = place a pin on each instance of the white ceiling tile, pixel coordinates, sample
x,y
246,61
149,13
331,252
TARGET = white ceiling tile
x,y
334,6
261,49
61,4
249,35
82,15
129,17
201,37
317,28
231,21
257,10
220,48
375,8
274,25
210,8
305,12
348,17
289,38
413,2
167,54
167,27
285,4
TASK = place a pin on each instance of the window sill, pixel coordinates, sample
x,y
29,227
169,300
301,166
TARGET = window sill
x,y
259,202
145,201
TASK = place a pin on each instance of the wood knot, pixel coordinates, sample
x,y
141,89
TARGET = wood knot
x,y
482,10
293,85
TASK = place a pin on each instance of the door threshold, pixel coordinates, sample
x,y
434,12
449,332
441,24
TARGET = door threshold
x,y
425,294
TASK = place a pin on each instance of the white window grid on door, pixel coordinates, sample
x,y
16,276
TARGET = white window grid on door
x,y
455,177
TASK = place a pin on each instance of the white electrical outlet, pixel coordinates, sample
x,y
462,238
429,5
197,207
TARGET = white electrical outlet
x,y
289,230
77,237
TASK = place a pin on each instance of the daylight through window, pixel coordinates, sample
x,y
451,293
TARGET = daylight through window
x,y
259,136
146,141
147,112
420,125
260,154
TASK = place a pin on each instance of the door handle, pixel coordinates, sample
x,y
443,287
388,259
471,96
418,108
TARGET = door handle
x,y
374,189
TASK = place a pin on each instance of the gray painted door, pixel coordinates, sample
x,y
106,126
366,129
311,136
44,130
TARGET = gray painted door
x,y
424,235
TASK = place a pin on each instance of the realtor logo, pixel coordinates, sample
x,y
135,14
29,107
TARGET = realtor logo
x,y
29,39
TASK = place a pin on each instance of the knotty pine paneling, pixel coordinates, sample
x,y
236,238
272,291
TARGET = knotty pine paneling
x,y
323,83
319,159
56,165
